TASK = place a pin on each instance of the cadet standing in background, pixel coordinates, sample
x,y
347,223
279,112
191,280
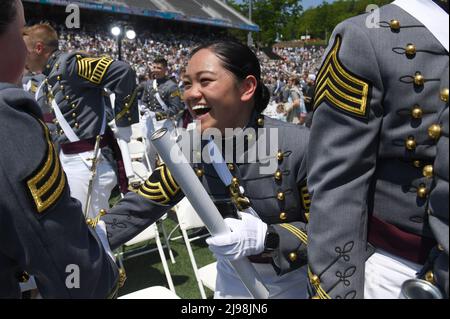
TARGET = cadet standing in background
x,y
75,89
42,229
162,102
378,155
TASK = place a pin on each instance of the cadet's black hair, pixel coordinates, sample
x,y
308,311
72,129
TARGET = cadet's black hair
x,y
160,60
240,60
7,14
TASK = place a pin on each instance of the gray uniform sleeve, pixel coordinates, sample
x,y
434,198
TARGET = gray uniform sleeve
x,y
342,160
173,96
43,231
121,79
136,211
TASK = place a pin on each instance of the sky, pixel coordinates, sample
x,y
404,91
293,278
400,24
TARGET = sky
x,y
307,3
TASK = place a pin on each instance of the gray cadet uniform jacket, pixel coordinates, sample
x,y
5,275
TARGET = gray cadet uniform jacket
x,y
378,155
42,229
77,84
280,197
169,93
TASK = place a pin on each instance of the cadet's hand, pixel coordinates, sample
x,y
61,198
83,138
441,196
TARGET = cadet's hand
x,y
246,239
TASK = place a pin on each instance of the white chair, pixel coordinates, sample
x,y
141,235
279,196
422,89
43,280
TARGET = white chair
x,y
136,131
137,150
149,233
188,219
155,292
141,173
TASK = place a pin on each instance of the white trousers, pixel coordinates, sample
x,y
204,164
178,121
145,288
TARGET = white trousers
x,y
78,175
385,274
292,285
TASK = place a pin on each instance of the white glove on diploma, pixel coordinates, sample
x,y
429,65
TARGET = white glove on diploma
x,y
100,229
246,239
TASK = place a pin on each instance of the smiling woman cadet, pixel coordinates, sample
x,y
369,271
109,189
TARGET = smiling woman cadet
x,y
224,92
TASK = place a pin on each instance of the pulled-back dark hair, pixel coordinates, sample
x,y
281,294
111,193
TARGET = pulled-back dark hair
x,y
240,60
7,14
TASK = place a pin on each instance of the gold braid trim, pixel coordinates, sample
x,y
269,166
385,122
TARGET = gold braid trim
x,y
297,232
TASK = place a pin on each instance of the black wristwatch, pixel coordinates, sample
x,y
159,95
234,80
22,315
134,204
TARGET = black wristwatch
x,y
272,240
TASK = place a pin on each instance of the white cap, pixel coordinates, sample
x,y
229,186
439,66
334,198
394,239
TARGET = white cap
x,y
312,77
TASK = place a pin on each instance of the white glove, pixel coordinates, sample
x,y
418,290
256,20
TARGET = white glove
x,y
246,239
100,229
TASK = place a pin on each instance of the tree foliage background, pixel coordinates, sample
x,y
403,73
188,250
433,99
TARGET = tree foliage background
x,y
286,20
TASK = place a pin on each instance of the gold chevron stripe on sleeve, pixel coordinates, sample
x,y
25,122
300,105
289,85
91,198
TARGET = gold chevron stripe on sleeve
x,y
160,187
47,184
297,232
93,69
340,87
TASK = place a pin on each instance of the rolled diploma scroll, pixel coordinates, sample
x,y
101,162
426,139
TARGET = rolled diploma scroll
x,y
204,206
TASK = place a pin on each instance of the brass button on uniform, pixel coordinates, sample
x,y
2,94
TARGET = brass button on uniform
x,y
434,131
61,132
292,256
129,119
280,196
410,143
417,112
231,167
199,172
260,121
280,156
429,276
73,105
74,114
278,175
394,24
315,280
283,216
23,277
428,171
422,191
67,97
419,79
410,49
77,125
440,247
58,78
417,163
444,95
235,181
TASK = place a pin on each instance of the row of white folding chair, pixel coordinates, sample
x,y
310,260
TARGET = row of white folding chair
x,y
146,235
189,219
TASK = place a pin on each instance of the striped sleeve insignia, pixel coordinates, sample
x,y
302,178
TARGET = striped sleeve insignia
x,y
340,87
93,69
47,183
305,199
160,187
300,234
